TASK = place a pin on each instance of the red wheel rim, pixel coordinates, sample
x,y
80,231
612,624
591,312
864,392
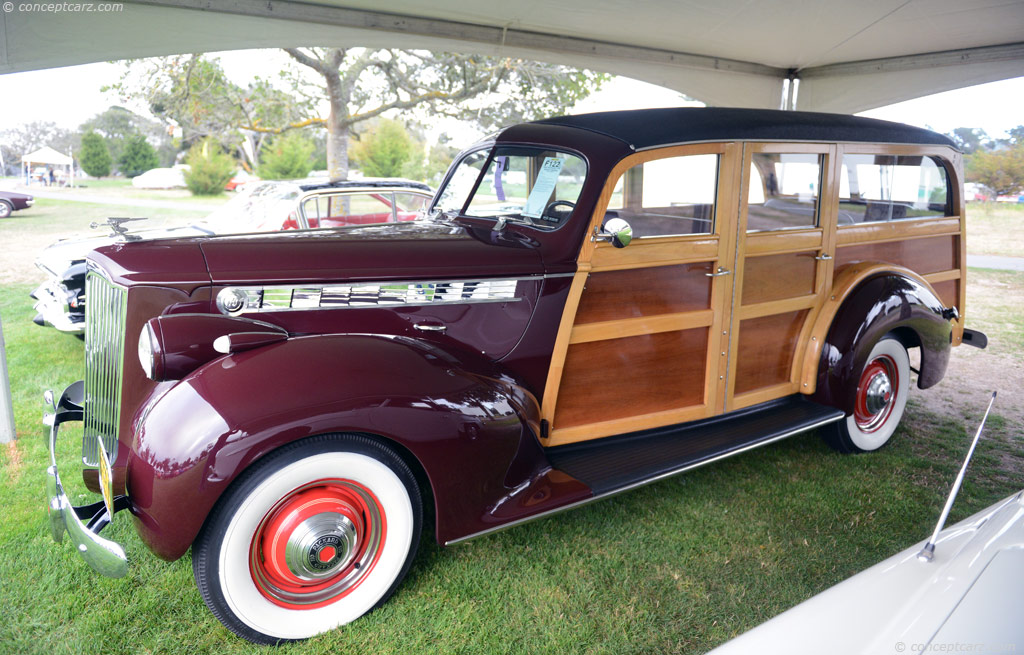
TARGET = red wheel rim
x,y
317,544
876,393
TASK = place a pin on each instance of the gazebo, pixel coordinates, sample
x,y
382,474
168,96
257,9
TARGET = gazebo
x,y
50,157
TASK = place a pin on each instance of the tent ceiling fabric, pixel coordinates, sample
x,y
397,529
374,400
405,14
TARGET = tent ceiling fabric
x,y
849,56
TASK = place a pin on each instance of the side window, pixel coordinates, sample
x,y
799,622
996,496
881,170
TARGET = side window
x,y
668,197
878,188
783,191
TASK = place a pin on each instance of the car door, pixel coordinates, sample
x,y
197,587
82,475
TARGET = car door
x,y
641,344
785,246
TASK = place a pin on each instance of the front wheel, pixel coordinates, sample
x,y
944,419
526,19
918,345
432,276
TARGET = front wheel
x,y
5,209
310,538
881,398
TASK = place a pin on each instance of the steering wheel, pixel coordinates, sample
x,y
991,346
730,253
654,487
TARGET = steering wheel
x,y
553,205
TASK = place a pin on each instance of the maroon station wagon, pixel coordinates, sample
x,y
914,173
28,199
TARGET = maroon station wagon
x,y
592,303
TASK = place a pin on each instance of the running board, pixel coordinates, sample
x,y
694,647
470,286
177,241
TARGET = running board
x,y
619,463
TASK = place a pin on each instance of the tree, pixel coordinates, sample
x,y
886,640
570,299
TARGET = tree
x,y
385,151
94,156
289,156
970,139
210,168
192,94
117,125
1000,170
491,91
26,138
137,156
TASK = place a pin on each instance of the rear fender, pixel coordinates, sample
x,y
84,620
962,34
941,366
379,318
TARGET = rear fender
x,y
469,427
884,303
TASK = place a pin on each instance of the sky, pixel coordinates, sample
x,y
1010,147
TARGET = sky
x,y
69,96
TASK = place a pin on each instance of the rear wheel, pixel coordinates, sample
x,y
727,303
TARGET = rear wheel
x,y
882,392
312,537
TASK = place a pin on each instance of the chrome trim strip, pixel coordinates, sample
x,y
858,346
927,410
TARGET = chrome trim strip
x,y
354,295
642,483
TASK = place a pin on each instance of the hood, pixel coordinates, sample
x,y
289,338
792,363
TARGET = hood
x,y
394,251
60,255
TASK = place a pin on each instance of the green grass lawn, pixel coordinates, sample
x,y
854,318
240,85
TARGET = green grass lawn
x,y
995,229
676,567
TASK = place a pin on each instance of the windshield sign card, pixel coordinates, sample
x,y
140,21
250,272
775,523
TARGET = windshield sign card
x,y
542,188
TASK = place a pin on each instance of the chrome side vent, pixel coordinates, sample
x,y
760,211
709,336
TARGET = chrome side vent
x,y
240,300
105,314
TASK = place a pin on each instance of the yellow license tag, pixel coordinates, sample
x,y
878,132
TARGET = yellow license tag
x,y
106,480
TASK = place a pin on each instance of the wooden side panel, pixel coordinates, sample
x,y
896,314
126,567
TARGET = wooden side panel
x,y
949,292
758,366
619,378
613,295
923,256
774,277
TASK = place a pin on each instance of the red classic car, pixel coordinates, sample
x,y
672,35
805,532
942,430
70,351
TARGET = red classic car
x,y
11,202
592,303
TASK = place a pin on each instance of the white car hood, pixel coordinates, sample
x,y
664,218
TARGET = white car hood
x,y
58,256
970,593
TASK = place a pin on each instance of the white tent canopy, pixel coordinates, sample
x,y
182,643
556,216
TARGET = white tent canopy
x,y
47,155
842,56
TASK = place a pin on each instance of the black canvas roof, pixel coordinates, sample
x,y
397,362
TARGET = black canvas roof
x,y
645,128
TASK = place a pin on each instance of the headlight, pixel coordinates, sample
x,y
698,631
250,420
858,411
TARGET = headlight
x,y
147,351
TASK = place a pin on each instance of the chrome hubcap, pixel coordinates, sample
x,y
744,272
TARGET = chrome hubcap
x,y
878,393
321,545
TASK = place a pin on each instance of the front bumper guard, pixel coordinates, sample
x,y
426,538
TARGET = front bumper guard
x,y
83,523
54,310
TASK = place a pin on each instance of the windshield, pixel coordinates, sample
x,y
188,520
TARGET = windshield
x,y
259,207
536,186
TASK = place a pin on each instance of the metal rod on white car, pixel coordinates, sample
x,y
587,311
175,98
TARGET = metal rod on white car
x,y
928,552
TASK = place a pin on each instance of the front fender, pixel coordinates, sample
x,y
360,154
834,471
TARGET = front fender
x,y
468,426
882,304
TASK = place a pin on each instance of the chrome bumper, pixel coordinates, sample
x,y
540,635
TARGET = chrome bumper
x,y
84,523
53,309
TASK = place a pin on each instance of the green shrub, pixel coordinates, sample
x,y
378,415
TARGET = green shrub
x,y
137,157
288,157
94,156
385,151
210,168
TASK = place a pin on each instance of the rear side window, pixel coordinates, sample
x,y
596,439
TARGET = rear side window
x,y
668,197
879,188
783,192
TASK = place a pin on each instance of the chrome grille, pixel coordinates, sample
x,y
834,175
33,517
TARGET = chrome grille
x,y
104,358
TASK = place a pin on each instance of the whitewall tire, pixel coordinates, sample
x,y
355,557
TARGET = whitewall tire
x,y
310,538
882,391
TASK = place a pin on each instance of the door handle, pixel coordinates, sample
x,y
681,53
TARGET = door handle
x,y
429,327
720,273
823,257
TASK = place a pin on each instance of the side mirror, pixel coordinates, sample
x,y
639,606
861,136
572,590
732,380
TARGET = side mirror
x,y
617,231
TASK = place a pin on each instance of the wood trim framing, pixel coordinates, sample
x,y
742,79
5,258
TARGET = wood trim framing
x,y
729,247
596,256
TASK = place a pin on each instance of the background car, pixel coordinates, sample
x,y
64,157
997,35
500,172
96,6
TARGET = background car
x,y
161,178
262,206
11,202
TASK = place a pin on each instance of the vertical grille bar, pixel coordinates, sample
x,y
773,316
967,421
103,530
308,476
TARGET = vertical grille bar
x,y
105,313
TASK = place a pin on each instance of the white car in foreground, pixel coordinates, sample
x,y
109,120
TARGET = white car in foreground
x,y
966,597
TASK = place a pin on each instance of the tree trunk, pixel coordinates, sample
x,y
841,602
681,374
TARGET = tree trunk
x,y
337,129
